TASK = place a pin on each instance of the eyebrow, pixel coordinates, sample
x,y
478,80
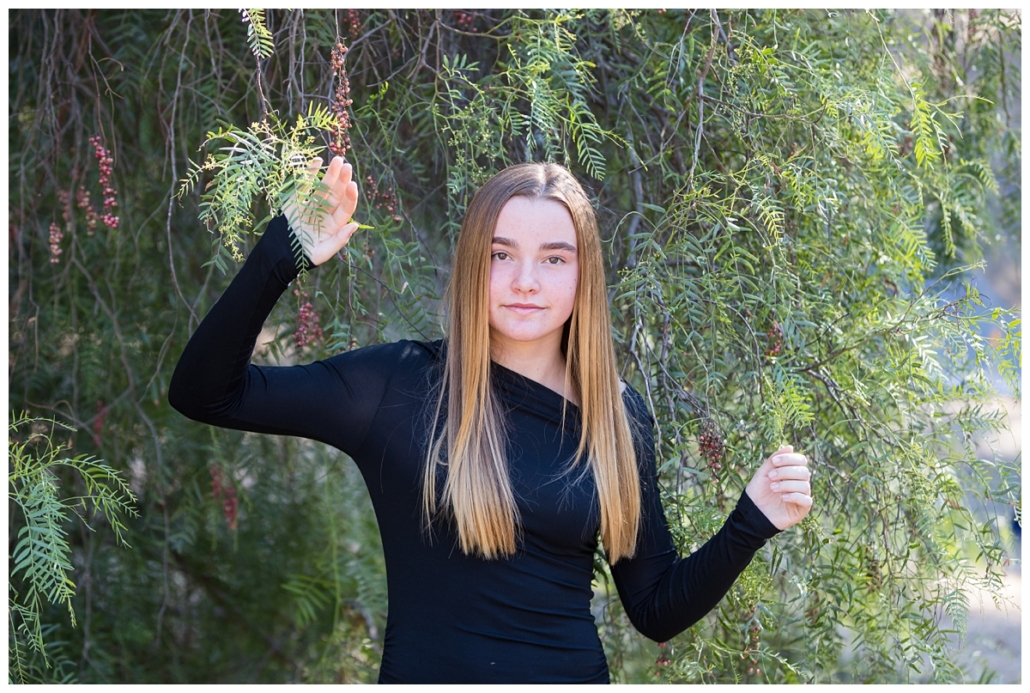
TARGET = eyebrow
x,y
552,245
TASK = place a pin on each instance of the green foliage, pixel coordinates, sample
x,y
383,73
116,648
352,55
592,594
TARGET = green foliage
x,y
268,161
259,38
793,203
41,562
535,100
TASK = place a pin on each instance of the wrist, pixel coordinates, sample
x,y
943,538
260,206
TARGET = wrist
x,y
755,517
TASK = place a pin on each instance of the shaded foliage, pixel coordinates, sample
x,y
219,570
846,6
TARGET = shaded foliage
x,y
790,202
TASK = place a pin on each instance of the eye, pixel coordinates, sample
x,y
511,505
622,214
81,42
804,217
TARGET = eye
x,y
499,255
555,260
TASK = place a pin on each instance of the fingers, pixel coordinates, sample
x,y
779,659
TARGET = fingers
x,y
338,192
327,247
346,232
314,166
320,211
330,178
340,218
788,487
341,191
791,472
339,239
308,180
800,499
782,459
349,198
329,189
790,476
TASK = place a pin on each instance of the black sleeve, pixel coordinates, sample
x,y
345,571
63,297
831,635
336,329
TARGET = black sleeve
x,y
662,593
215,383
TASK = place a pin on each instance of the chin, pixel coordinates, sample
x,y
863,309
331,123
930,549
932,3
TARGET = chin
x,y
516,336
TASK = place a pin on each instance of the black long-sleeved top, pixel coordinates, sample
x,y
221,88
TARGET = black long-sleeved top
x,y
455,618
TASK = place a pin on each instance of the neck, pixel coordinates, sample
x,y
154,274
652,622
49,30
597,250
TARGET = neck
x,y
538,362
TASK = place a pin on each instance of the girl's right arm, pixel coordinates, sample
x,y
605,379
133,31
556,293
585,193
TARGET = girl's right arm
x,y
214,381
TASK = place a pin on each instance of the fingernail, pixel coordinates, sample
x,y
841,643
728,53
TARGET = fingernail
x,y
774,474
774,487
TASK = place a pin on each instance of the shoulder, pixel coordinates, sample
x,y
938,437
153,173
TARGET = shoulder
x,y
390,358
399,351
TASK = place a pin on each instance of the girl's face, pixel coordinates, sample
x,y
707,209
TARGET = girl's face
x,y
534,273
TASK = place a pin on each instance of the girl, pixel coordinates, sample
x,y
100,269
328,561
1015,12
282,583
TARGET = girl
x,y
497,457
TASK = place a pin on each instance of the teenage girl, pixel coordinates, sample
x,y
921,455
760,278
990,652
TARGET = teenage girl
x,y
497,458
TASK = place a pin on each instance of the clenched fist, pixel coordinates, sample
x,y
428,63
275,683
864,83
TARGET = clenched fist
x,y
782,489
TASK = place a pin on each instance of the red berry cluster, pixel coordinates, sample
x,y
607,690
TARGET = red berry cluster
x,y
712,446
775,334
55,242
873,574
663,658
340,143
227,494
387,198
465,21
63,197
353,22
751,651
308,329
98,423
106,164
82,201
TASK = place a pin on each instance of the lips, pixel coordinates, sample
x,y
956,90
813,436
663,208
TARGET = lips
x,y
523,307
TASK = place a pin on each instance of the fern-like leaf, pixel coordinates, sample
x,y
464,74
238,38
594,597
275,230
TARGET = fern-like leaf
x,y
259,38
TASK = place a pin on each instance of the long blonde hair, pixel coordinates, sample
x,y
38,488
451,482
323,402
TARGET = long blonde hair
x,y
477,493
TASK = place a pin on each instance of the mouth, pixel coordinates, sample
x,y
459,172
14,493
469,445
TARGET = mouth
x,y
523,307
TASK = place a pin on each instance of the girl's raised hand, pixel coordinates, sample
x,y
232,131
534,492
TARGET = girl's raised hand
x,y
323,222
782,489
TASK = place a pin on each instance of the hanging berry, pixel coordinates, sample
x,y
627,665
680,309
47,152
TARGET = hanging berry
x,y
775,335
55,242
106,164
308,329
711,445
464,21
226,493
339,142
83,202
386,198
663,658
754,629
353,22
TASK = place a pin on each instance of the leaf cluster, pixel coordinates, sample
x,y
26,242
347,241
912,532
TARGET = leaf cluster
x,y
41,565
267,162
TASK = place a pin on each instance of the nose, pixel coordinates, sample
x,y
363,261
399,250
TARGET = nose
x,y
525,279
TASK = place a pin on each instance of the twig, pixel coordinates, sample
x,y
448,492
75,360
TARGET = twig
x,y
175,173
638,198
701,104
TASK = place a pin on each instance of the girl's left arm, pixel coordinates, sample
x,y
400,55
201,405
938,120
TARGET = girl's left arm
x,y
664,594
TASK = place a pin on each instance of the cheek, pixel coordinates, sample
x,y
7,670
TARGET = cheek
x,y
567,290
497,284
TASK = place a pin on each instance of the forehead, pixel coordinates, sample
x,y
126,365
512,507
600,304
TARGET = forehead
x,y
535,220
